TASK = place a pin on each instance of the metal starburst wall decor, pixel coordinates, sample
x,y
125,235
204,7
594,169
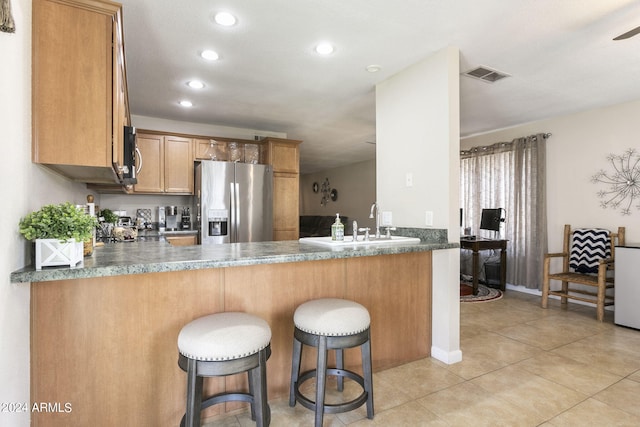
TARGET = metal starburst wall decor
x,y
623,183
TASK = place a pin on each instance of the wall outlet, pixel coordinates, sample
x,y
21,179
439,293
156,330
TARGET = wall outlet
x,y
387,218
428,218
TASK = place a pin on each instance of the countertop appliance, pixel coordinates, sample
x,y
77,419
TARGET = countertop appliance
x,y
627,286
185,221
171,218
233,202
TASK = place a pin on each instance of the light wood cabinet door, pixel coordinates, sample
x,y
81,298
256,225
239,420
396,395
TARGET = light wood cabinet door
x,y
178,165
167,164
120,98
73,106
283,155
182,240
286,222
279,235
203,149
151,175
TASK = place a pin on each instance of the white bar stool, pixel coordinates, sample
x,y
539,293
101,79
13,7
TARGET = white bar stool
x,y
225,344
331,324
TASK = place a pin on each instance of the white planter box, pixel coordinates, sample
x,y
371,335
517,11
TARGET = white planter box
x,y
52,252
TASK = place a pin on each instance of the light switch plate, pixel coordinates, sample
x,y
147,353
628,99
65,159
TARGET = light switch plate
x,y
428,218
387,218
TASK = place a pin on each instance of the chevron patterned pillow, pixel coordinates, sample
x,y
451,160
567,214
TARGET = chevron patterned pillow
x,y
589,246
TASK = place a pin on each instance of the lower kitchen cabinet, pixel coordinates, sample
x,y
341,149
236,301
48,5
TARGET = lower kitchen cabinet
x,y
189,240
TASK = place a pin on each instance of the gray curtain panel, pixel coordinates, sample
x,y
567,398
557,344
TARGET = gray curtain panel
x,y
510,175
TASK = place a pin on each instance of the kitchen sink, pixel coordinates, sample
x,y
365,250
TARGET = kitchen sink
x,y
348,241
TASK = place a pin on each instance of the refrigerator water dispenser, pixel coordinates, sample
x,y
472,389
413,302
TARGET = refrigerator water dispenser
x,y
218,220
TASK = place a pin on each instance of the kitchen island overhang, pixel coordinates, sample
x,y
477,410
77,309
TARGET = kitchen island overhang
x,y
107,343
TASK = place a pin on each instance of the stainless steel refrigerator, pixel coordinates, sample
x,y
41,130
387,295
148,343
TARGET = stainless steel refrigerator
x,y
233,202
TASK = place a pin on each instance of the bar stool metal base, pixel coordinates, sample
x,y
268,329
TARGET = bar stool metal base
x,y
256,367
323,344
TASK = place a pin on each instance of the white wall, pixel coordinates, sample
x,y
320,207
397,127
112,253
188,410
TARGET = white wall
x,y
26,187
577,149
164,125
356,186
415,121
418,133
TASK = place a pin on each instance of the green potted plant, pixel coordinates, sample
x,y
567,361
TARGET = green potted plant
x,y
59,233
108,221
109,216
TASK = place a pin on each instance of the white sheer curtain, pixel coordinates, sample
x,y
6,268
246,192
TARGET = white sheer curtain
x,y
510,175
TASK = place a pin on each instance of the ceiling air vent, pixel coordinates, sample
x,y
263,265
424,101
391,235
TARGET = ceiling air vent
x,y
485,73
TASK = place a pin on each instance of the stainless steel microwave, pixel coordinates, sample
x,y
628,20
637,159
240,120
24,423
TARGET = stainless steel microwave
x,y
129,167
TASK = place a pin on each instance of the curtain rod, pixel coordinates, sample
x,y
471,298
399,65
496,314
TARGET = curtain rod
x,y
534,137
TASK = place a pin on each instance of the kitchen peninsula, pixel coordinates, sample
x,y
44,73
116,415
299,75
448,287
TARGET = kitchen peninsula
x,y
103,337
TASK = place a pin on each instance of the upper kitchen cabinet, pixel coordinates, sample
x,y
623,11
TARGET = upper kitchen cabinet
x,y
178,165
166,164
283,154
79,89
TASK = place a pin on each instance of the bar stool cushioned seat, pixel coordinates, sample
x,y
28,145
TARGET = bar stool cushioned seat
x,y
225,344
331,324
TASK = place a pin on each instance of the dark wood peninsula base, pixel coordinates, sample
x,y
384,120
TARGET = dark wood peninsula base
x,y
107,346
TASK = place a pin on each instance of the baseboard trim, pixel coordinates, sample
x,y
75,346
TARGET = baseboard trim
x,y
448,357
539,293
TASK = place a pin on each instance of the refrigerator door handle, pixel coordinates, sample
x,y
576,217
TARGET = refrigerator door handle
x,y
237,208
232,214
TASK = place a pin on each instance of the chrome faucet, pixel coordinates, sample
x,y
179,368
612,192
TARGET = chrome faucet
x,y
375,207
366,233
389,230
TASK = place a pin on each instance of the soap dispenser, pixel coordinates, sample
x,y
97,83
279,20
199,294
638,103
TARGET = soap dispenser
x,y
337,229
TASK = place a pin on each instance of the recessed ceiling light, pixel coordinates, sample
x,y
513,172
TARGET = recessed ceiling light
x,y
373,68
195,84
210,55
186,103
324,48
225,19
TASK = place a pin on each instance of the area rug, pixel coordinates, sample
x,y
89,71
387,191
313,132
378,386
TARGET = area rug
x,y
485,294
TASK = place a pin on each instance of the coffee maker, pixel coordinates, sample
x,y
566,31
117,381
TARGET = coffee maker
x,y
171,215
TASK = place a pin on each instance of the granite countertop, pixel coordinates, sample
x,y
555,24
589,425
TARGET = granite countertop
x,y
159,256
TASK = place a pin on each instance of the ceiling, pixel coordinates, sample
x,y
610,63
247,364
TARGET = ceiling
x,y
559,54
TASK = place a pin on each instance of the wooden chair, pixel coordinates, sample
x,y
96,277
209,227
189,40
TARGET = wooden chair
x,y
574,270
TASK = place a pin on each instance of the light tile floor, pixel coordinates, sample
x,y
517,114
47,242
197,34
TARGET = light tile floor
x,y
522,366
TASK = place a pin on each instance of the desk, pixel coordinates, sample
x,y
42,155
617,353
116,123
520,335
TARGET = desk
x,y
480,244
